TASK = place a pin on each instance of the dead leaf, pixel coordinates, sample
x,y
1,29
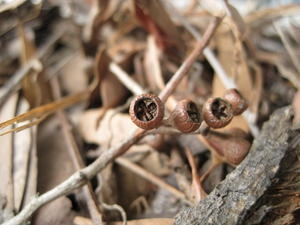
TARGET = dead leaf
x,y
57,212
54,164
6,167
31,184
112,91
152,66
74,78
30,85
237,19
113,128
10,5
100,12
160,221
260,18
156,163
22,143
296,107
155,19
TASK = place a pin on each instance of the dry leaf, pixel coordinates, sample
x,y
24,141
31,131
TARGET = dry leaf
x,y
57,212
30,83
6,167
113,128
74,78
22,143
296,107
237,20
54,164
31,184
156,163
162,221
262,17
154,18
112,91
152,66
10,5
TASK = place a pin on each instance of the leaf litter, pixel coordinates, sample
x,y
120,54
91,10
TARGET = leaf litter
x,y
79,45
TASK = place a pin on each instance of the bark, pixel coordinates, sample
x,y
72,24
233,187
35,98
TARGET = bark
x,y
235,200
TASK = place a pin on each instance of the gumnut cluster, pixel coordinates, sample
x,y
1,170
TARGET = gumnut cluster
x,y
147,112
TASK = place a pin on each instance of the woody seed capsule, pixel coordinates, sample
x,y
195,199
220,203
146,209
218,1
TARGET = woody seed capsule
x,y
185,117
147,111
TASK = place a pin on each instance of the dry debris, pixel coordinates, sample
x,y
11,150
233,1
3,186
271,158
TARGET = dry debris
x,y
149,112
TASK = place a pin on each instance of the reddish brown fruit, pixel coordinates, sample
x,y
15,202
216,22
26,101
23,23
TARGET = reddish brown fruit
x,y
217,112
238,102
186,117
147,111
232,145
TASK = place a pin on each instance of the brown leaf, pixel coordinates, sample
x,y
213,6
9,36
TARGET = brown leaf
x,y
6,167
112,91
5,6
113,128
57,212
159,221
262,17
156,163
30,85
23,144
237,19
54,164
154,18
152,66
296,107
74,78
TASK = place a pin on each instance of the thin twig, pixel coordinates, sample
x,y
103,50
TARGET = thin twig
x,y
76,157
117,208
199,190
80,177
133,86
151,177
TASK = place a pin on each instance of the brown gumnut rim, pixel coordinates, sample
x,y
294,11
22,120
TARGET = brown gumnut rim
x,y
238,102
186,117
217,112
147,111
